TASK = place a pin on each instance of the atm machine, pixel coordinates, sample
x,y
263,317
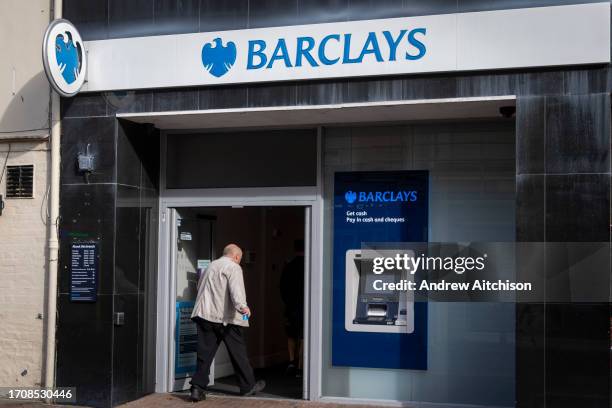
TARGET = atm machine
x,y
376,311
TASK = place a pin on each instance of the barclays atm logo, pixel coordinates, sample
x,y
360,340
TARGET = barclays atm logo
x,y
218,59
380,196
350,197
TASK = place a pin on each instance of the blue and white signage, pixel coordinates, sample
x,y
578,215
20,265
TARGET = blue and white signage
x,y
377,207
502,39
64,57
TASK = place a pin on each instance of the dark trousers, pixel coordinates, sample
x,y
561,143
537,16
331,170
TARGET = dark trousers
x,y
210,335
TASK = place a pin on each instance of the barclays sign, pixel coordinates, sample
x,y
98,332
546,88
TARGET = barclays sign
x,y
384,46
396,46
403,196
308,51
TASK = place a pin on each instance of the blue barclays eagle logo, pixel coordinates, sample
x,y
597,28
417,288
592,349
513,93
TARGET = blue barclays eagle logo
x,y
69,57
217,59
350,197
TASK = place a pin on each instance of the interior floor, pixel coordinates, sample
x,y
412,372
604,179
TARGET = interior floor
x,y
279,383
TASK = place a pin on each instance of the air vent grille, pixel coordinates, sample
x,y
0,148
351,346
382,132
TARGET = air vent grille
x,y
20,181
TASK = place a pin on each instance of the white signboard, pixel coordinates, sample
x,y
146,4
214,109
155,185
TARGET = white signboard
x,y
534,37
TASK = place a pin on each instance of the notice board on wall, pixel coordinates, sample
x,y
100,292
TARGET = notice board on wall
x,y
84,261
377,207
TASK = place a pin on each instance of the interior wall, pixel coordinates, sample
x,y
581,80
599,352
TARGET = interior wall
x,y
283,226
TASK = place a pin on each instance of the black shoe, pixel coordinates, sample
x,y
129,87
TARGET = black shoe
x,y
197,394
259,385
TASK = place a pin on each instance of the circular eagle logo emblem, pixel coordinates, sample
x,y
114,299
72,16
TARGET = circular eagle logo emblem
x,y
64,57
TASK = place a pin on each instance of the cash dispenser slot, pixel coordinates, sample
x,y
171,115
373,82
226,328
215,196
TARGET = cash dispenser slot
x,y
377,310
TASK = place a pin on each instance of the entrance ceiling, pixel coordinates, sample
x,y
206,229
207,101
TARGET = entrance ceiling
x,y
397,111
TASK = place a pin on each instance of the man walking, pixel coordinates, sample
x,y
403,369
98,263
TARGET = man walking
x,y
220,312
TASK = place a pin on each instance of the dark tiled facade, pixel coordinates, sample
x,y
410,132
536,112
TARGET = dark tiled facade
x,y
117,207
562,185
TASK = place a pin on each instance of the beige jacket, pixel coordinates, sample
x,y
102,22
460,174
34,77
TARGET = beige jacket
x,y
221,293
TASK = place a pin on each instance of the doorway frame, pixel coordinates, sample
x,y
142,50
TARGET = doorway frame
x,y
311,198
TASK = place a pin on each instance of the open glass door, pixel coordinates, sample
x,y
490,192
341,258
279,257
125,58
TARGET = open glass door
x,y
193,251
275,239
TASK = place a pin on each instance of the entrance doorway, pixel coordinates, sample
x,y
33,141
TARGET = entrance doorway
x,y
275,266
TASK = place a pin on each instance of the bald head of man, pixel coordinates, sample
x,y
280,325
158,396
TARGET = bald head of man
x,y
233,252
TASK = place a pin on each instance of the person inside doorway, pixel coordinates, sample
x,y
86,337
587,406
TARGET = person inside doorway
x,y
220,313
292,293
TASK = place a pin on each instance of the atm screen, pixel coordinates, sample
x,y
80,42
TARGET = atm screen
x,y
367,278
371,278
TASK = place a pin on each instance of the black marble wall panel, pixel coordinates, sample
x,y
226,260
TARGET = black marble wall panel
x,y
375,89
127,348
127,241
77,135
135,260
578,208
87,214
117,206
129,102
223,97
90,17
530,356
131,18
586,81
218,15
176,100
268,13
433,87
563,196
148,147
568,83
321,92
530,202
127,159
272,95
322,11
176,16
84,105
102,19
372,9
84,341
577,355
530,134
578,134
484,5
